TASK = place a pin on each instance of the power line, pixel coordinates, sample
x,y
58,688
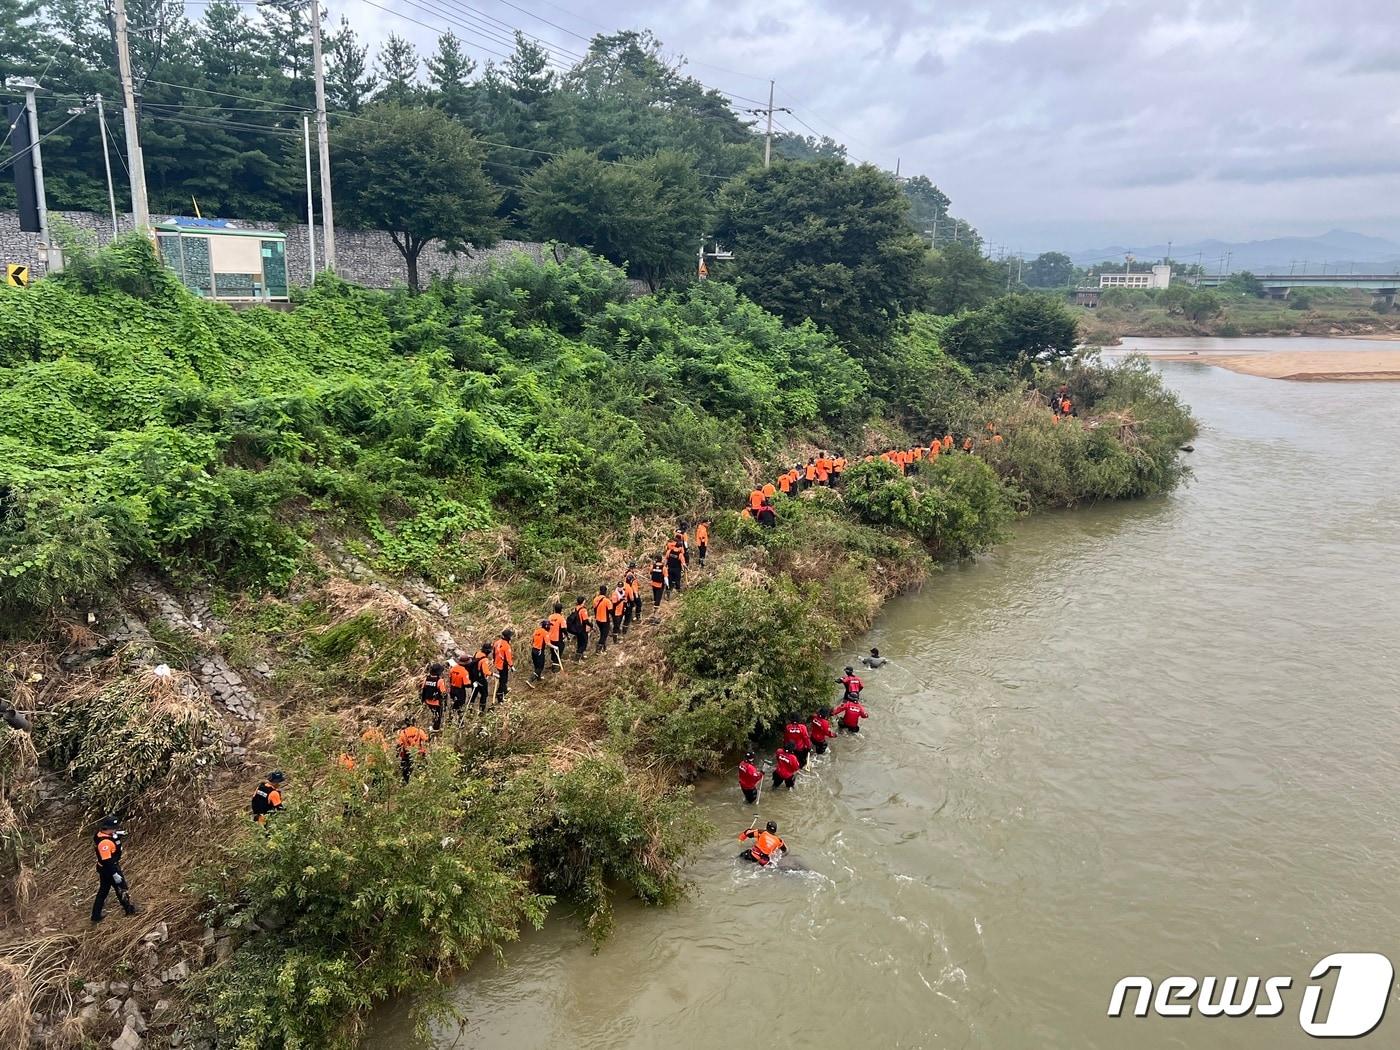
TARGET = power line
x,y
477,15
224,125
57,47
228,94
37,142
435,29
479,29
546,21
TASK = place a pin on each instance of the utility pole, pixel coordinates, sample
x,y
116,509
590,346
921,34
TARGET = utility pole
x,y
323,140
768,135
107,163
140,210
53,257
310,210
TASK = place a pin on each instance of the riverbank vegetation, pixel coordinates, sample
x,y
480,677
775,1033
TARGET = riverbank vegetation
x,y
1231,312
294,512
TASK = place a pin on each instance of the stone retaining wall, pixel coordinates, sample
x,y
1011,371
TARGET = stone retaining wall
x,y
366,257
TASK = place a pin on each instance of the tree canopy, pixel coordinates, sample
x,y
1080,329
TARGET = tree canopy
x,y
416,174
1050,270
824,240
1014,331
961,278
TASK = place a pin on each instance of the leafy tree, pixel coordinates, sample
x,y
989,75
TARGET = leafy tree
x,y
648,214
955,503
1174,298
578,199
807,147
961,278
827,241
1203,305
1050,270
1244,283
397,64
526,73
415,174
1012,331
928,205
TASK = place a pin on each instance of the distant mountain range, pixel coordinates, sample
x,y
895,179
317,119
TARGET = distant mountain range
x,y
1341,251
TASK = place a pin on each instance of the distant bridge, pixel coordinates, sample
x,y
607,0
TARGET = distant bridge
x,y
1382,286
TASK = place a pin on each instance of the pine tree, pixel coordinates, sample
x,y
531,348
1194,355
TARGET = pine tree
x,y
349,81
397,64
448,71
527,72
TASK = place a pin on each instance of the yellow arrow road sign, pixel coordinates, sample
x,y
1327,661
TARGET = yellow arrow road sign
x,y
17,275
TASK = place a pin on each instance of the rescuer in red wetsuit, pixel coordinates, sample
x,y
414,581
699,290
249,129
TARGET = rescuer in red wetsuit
x,y
851,684
785,767
820,730
798,740
750,776
850,712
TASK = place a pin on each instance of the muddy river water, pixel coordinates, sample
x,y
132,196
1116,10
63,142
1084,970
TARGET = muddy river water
x,y
1159,738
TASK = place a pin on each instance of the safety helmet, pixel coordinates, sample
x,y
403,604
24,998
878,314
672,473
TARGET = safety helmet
x,y
748,756
544,623
850,670
109,822
773,827
277,776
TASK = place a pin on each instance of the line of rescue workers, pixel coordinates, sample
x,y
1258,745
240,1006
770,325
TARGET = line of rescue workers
x,y
482,679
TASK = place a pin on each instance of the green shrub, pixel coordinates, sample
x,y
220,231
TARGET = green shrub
x,y
598,827
374,889
753,640
954,503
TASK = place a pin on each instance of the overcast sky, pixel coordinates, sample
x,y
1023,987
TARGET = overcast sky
x,y
1051,124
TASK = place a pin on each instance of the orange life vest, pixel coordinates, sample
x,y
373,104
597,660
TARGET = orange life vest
x,y
766,843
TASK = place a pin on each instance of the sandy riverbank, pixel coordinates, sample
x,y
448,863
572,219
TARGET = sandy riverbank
x,y
1315,366
1336,365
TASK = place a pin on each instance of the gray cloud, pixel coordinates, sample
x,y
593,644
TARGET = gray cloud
x,y
1061,123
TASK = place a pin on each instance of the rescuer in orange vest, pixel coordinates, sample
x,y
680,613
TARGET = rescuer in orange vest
x,y
433,692
766,845
107,842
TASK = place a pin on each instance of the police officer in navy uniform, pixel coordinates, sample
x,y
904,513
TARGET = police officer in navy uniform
x,y
107,842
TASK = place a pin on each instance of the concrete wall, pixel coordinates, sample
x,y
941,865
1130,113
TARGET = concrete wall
x,y
366,257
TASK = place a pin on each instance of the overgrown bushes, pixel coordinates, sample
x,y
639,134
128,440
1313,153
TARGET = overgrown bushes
x,y
136,746
955,503
364,887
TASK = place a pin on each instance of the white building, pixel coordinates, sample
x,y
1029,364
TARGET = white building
x,y
1159,277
